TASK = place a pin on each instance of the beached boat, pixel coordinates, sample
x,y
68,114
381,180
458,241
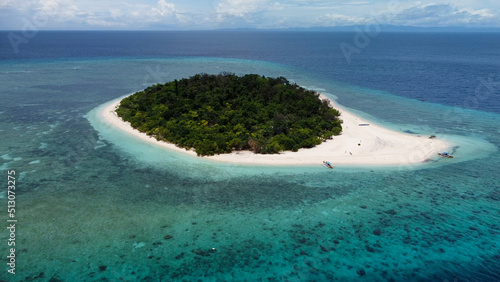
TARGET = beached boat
x,y
327,164
445,155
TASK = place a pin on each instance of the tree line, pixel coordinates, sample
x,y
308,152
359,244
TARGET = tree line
x,y
215,114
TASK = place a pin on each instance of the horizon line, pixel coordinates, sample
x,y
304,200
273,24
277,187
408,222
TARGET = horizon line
x,y
389,28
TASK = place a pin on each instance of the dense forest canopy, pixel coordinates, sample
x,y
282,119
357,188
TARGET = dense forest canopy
x,y
215,114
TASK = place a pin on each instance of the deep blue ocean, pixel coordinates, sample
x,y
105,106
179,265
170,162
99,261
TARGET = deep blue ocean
x,y
95,204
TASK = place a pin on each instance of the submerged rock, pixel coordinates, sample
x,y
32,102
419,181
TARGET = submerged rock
x,y
204,253
391,212
319,225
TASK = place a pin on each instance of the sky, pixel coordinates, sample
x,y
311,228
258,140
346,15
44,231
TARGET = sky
x,y
222,14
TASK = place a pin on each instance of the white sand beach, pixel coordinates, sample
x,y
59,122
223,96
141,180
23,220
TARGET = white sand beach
x,y
361,143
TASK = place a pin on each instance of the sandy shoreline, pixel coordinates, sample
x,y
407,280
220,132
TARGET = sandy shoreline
x,y
378,145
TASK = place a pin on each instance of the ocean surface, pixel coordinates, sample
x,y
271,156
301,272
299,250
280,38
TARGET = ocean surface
x,y
93,204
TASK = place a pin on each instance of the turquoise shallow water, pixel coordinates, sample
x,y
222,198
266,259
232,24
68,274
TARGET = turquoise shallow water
x,y
94,204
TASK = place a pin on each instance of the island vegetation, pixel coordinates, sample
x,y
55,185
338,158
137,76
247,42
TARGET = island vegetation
x,y
215,114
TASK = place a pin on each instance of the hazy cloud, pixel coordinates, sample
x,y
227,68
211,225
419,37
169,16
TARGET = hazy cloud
x,y
201,14
165,9
443,15
330,20
241,8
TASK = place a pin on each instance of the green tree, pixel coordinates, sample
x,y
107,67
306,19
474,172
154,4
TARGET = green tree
x,y
215,114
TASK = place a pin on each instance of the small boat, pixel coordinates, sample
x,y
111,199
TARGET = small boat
x,y
327,164
445,155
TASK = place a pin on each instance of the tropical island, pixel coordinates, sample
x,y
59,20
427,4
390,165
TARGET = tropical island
x,y
255,126
218,114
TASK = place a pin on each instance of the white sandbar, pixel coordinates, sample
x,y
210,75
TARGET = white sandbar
x,y
365,144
